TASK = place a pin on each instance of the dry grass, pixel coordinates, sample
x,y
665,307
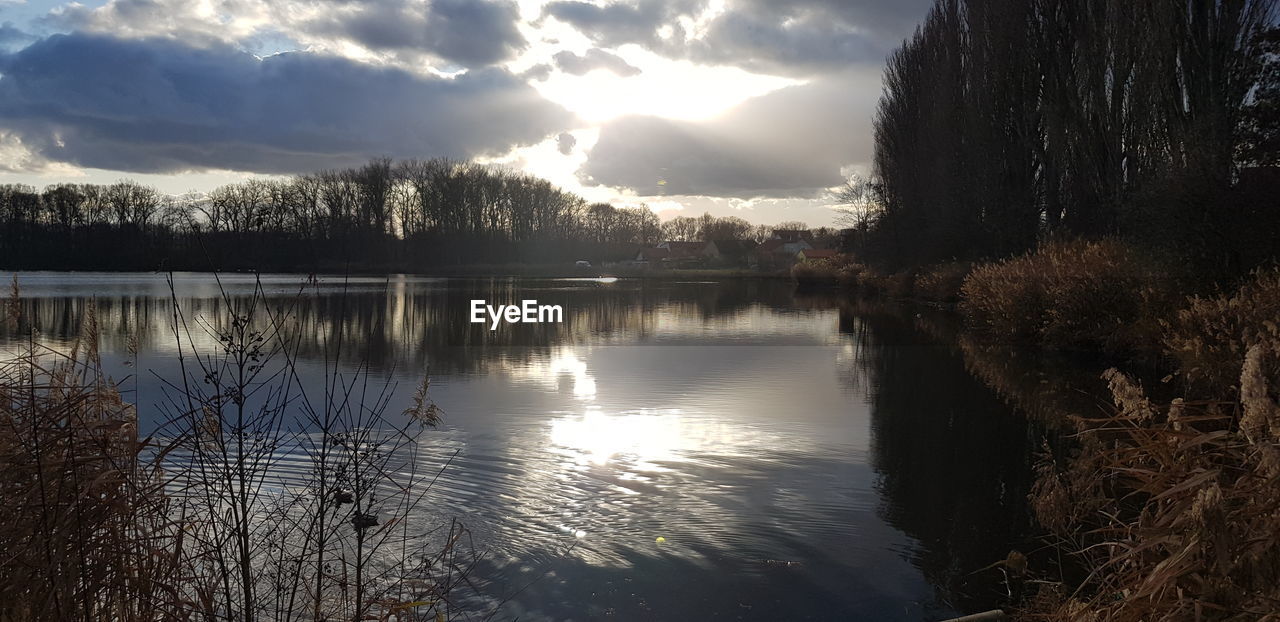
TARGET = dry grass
x,y
1069,295
1174,510
84,526
1210,337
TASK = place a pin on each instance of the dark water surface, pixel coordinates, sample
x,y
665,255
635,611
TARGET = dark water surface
x,y
742,423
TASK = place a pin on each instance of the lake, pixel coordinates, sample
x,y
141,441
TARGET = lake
x,y
800,456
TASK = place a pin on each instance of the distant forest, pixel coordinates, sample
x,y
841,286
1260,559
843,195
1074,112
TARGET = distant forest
x,y
405,216
1007,122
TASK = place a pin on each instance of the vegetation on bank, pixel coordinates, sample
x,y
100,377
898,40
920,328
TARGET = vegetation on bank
x,y
1096,296
1166,507
1173,509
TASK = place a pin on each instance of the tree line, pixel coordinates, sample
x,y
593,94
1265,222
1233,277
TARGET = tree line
x,y
407,199
382,214
1003,122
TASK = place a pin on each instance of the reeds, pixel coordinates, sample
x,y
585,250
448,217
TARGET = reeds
x,y
1173,510
84,526
1209,338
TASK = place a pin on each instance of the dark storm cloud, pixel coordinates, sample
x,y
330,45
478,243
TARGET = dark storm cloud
x,y
158,106
790,37
789,143
471,33
595,58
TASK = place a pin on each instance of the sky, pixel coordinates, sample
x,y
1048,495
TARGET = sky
x,y
749,108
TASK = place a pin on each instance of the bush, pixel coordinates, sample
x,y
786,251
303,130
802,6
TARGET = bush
x,y
1069,295
840,269
942,282
1210,338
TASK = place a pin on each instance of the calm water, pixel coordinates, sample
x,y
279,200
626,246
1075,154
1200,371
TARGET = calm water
x,y
737,420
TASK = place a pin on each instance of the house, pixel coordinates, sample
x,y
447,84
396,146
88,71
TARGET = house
x,y
792,235
814,254
678,253
790,241
779,251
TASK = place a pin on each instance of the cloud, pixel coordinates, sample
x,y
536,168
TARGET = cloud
x,y
160,106
15,157
805,37
565,143
11,35
619,23
471,33
782,37
539,72
595,58
231,20
467,33
792,142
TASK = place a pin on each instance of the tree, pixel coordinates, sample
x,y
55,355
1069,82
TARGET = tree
x,y
130,203
858,202
711,228
680,229
66,204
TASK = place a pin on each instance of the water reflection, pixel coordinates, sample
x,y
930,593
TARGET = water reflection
x,y
552,370
743,425
955,464
646,437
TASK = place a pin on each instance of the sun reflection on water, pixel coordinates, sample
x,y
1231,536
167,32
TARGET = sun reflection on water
x,y
595,437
